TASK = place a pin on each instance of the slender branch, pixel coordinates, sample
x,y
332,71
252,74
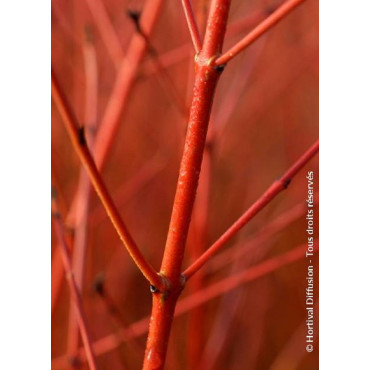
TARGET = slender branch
x,y
278,186
206,79
78,140
205,85
258,31
192,25
75,293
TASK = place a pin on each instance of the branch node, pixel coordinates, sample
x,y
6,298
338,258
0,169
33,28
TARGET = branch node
x,y
98,284
153,289
135,15
211,60
286,183
220,68
81,136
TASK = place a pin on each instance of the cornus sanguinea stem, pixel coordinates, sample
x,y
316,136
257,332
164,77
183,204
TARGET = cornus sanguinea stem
x,y
79,144
278,186
207,75
192,25
264,26
75,293
168,284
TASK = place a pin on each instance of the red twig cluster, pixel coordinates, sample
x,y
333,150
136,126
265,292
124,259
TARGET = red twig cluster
x,y
167,284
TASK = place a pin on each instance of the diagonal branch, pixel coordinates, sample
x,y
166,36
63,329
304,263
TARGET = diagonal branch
x,y
192,25
258,31
278,186
77,137
75,293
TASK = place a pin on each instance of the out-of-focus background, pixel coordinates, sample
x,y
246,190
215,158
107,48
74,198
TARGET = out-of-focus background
x,y
265,116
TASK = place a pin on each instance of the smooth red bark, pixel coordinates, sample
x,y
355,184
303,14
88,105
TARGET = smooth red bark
x,y
207,75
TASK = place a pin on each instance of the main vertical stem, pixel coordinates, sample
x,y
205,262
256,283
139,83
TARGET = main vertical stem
x,y
206,78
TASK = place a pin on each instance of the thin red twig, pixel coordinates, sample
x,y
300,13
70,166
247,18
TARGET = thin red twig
x,y
192,25
278,186
79,144
258,31
75,293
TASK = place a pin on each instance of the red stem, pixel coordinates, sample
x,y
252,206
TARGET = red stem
x,y
258,31
83,152
75,293
278,186
204,88
192,25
